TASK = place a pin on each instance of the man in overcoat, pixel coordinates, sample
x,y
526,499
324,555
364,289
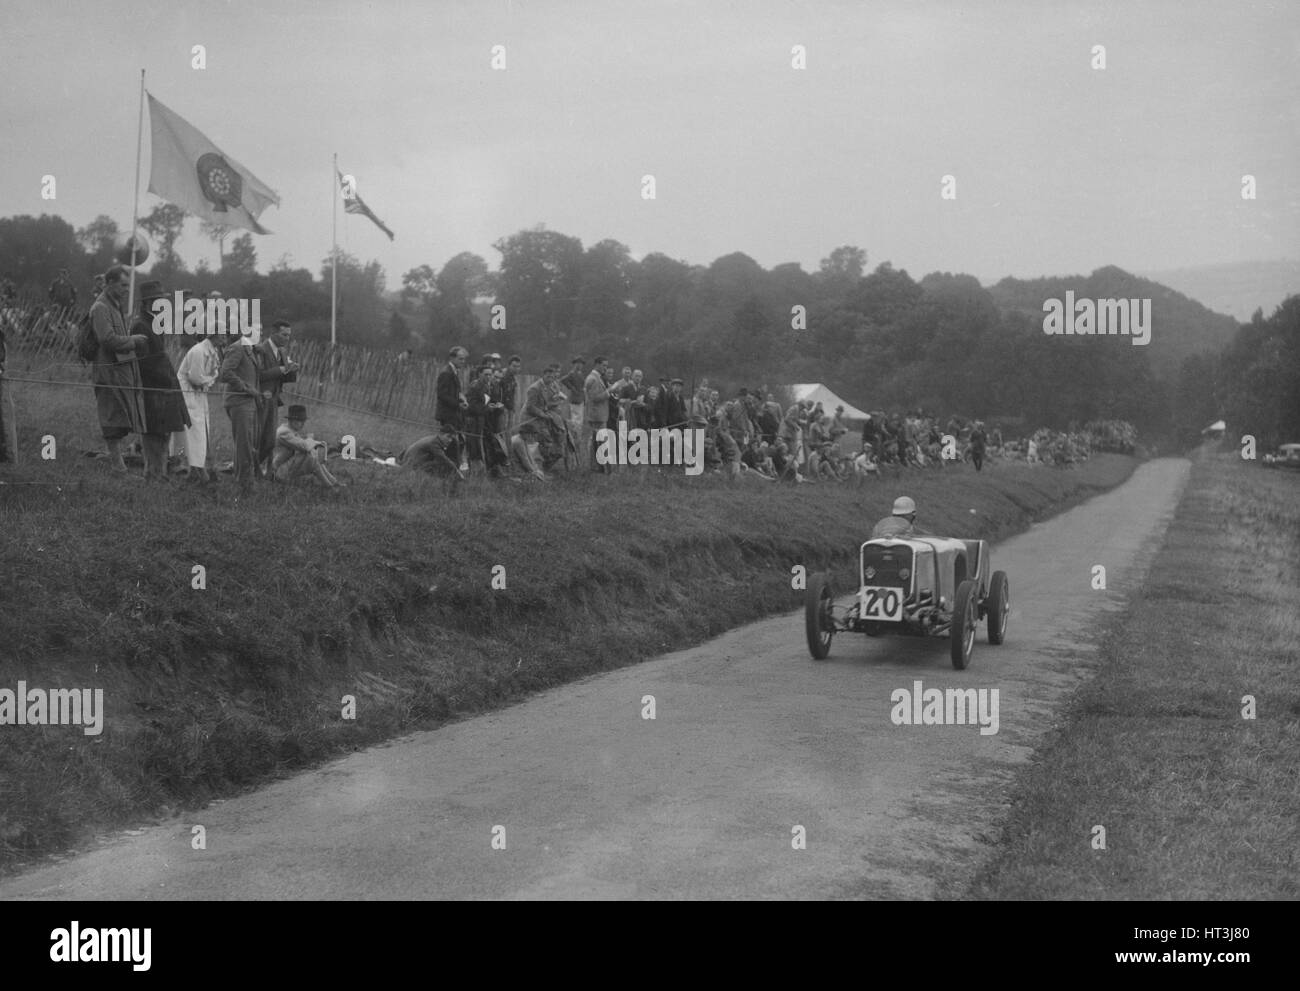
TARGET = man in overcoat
x,y
116,369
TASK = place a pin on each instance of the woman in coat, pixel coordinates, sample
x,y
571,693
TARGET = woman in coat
x,y
164,405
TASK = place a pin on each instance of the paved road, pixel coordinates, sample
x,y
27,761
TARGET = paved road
x,y
751,738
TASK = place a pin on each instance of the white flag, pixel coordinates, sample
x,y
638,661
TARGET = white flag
x,y
190,171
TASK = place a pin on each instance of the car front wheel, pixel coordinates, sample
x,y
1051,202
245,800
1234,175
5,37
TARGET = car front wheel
x,y
997,606
965,617
819,599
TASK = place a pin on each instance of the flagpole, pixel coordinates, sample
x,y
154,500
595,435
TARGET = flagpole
x,y
334,255
135,203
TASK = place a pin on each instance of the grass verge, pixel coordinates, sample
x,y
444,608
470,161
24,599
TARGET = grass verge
x,y
384,594
1197,801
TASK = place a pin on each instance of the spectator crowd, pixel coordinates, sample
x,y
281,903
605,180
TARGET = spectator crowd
x,y
486,421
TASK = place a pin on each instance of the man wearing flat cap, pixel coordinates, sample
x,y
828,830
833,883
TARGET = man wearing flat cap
x,y
674,415
299,455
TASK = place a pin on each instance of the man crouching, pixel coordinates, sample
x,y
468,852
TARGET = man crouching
x,y
297,454
436,454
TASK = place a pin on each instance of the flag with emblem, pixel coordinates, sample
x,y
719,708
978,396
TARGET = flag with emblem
x,y
352,203
190,171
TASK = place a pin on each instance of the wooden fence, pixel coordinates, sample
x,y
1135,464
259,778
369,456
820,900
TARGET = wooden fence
x,y
41,343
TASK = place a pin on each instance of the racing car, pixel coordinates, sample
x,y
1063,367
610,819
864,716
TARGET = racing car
x,y
917,586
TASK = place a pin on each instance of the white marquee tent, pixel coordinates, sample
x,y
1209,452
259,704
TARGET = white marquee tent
x,y
818,393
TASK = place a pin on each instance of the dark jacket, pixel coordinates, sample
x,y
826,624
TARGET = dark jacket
x,y
674,410
509,391
239,374
573,385
164,406
430,454
447,396
271,373
479,394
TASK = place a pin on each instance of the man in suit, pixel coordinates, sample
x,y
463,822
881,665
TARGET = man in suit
x,y
510,391
574,384
674,406
596,395
274,368
478,394
495,451
245,400
449,400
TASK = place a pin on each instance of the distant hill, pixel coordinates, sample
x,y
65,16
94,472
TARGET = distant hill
x,y
1179,326
1236,289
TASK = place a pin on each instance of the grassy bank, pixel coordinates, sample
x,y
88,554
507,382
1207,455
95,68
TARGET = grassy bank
x,y
384,594
1197,802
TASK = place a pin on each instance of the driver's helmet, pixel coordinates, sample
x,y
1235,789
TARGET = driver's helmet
x,y
904,506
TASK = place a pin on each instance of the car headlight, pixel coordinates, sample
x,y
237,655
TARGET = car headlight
x,y
869,573
903,573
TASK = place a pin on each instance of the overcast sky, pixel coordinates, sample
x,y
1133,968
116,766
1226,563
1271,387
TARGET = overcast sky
x,y
1060,168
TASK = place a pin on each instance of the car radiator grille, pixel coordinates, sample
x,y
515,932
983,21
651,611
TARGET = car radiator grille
x,y
888,562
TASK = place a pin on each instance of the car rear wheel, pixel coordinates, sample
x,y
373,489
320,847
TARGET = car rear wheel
x,y
818,602
997,606
965,617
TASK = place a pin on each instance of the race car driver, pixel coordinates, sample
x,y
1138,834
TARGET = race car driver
x,y
901,524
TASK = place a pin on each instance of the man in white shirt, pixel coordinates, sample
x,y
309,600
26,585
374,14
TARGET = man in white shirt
x,y
197,374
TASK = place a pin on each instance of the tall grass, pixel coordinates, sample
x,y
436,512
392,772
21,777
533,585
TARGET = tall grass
x,y
385,594
1198,802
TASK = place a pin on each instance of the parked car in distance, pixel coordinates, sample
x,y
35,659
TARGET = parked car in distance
x,y
1286,456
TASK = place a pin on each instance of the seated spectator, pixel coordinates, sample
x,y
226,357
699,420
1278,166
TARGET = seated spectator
x,y
822,466
528,456
299,455
784,463
865,464
756,460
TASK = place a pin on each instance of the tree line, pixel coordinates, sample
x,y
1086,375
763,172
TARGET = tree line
x,y
875,335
